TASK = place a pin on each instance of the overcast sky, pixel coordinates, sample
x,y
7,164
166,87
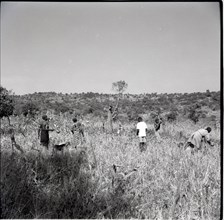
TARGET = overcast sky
x,y
162,47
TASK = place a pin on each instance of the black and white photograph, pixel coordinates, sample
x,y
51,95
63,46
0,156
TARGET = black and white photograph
x,y
111,110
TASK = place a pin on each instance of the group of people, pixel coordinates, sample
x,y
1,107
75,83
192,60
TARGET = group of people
x,y
195,141
43,132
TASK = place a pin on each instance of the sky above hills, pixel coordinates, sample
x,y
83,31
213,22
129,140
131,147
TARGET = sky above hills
x,y
162,47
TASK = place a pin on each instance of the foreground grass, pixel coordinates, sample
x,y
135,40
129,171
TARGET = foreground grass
x,y
163,182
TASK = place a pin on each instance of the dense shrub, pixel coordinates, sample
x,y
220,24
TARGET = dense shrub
x,y
171,116
129,104
194,116
6,103
30,108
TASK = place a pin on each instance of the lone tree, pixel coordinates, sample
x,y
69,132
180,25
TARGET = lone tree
x,y
6,103
119,86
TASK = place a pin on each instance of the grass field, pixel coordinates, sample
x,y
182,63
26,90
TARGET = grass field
x,y
164,182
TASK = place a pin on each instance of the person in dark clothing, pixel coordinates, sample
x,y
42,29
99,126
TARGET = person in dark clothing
x,y
78,132
157,123
43,132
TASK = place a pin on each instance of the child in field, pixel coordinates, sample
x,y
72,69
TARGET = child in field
x,y
141,132
78,132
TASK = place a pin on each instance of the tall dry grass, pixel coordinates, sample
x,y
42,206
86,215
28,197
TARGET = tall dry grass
x,y
164,182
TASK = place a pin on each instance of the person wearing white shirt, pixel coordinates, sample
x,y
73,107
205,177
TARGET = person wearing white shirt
x,y
141,132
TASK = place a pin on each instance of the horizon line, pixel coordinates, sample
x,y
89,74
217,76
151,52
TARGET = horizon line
x,y
100,93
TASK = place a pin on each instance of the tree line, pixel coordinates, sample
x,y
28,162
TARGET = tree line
x,y
189,105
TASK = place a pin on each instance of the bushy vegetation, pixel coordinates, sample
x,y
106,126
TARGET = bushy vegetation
x,y
6,103
107,176
163,182
182,105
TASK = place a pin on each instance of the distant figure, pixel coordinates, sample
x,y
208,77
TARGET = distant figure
x,y
157,126
198,138
141,132
110,118
78,132
111,115
43,131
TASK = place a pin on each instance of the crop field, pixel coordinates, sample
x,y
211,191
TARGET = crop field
x,y
107,176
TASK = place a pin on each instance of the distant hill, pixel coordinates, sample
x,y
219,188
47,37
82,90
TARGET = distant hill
x,y
129,106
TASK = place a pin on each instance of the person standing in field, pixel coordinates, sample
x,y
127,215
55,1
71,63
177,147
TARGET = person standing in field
x,y
43,131
157,126
199,138
78,132
141,133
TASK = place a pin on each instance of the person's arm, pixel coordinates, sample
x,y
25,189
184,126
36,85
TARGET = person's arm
x,y
208,139
209,142
72,129
137,129
155,125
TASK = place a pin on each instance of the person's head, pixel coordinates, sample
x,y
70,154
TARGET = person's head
x,y
74,120
110,108
139,119
44,117
208,129
157,120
